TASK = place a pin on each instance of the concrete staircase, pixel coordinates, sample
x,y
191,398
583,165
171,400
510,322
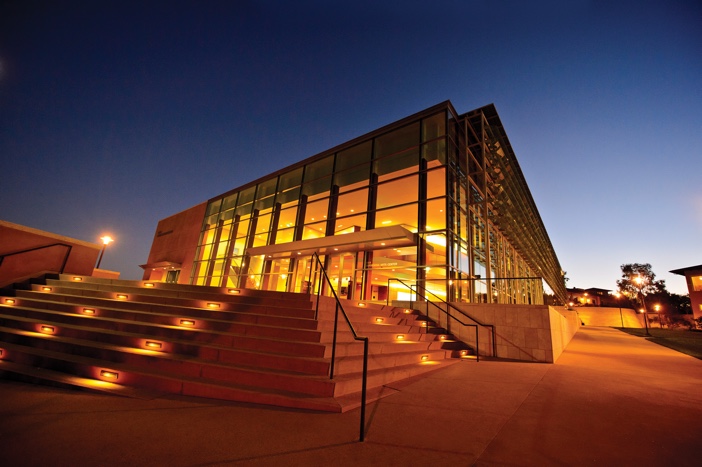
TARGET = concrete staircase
x,y
143,339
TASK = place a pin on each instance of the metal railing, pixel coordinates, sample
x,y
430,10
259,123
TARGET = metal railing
x,y
414,290
323,273
28,250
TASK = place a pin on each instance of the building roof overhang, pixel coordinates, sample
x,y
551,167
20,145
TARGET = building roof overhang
x,y
394,236
684,271
161,265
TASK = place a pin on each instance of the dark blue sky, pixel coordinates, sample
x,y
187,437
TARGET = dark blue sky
x,y
116,114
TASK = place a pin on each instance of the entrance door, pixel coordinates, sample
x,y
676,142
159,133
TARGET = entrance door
x,y
341,272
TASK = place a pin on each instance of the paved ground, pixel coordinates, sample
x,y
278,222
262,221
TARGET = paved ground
x,y
611,399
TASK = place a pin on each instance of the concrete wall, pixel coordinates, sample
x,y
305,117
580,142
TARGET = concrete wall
x,y
15,237
532,333
175,241
610,317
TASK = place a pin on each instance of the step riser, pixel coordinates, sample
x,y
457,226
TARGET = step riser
x,y
162,318
129,304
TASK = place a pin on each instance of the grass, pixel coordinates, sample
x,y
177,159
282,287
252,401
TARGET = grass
x,y
687,342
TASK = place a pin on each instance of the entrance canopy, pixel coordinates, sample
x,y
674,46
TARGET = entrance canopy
x,y
394,236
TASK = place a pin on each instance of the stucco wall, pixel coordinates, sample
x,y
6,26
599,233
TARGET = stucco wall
x,y
175,241
609,316
15,237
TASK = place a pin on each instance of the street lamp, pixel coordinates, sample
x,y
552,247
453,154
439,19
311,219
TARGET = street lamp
x,y
106,240
657,307
640,282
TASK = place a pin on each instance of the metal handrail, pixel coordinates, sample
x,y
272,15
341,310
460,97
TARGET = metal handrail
x,y
448,315
353,331
27,250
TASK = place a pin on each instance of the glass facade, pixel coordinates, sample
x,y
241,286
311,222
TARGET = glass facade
x,y
450,182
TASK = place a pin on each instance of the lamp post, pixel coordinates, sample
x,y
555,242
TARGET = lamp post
x,y
639,282
106,240
657,307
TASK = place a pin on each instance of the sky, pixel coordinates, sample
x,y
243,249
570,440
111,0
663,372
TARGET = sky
x,y
116,114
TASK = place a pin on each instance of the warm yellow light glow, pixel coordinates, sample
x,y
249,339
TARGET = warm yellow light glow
x,y
153,344
361,304
10,301
657,307
379,320
436,240
187,322
234,291
407,310
107,374
425,358
106,239
122,296
464,353
77,279
400,337
148,284
46,289
88,311
47,329
213,305
424,324
442,337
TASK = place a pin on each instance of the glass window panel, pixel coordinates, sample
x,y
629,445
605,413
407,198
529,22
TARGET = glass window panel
x,y
434,126
314,230
400,191
263,223
246,196
265,203
244,210
356,176
408,160
398,140
318,186
350,224
213,207
229,202
290,179
406,216
227,216
289,196
284,235
436,183
435,152
239,246
353,202
260,239
354,156
266,188
316,211
436,214
287,218
319,169
243,229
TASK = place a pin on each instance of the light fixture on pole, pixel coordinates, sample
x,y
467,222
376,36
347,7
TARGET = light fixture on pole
x,y
106,240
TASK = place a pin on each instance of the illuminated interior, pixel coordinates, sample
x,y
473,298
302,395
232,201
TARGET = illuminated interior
x,y
450,181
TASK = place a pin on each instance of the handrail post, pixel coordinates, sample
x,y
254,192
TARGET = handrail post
x,y
363,389
336,321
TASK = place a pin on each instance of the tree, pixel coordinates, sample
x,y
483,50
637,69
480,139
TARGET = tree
x,y
639,281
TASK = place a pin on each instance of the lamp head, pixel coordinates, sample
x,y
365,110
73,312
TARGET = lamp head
x,y
107,239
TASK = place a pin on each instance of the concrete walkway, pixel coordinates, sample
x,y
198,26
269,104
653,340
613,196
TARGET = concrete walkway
x,y
611,399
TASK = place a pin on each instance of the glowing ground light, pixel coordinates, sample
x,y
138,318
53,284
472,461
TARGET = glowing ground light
x,y
213,305
78,279
379,320
234,291
10,301
47,329
425,358
464,353
107,374
89,311
148,284
122,296
153,345
400,337
46,289
187,322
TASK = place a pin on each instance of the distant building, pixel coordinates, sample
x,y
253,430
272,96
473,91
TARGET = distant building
x,y
693,277
436,199
588,297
